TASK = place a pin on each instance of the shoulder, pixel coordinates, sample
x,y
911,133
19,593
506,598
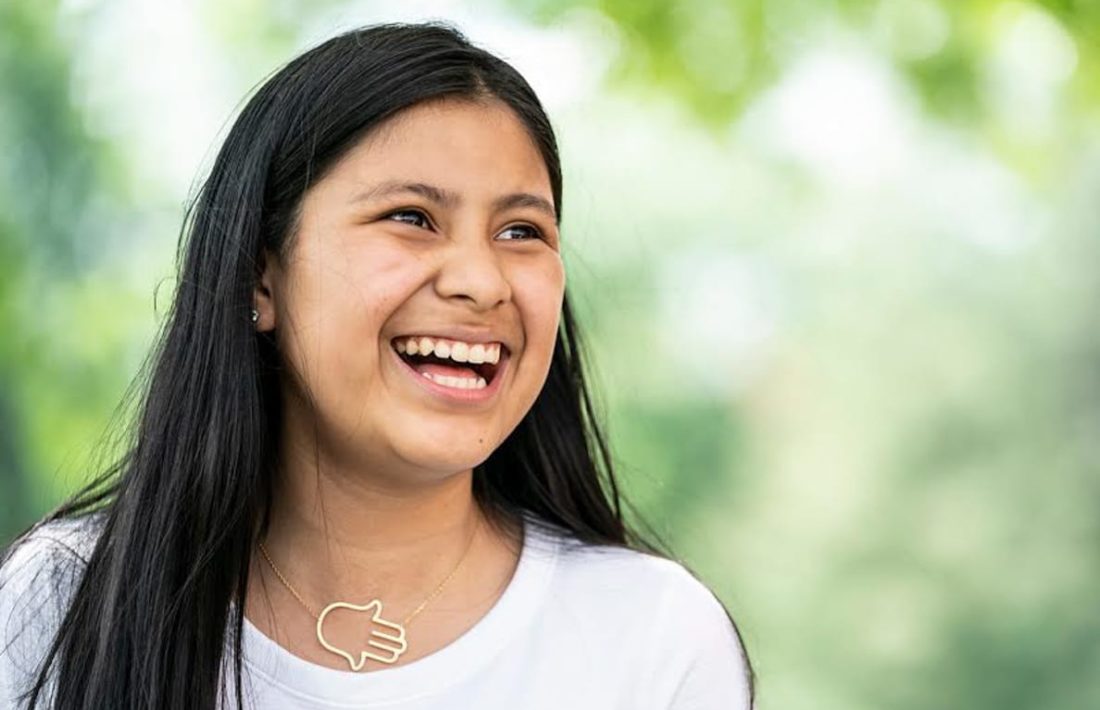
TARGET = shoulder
x,y
611,575
660,616
38,572
48,549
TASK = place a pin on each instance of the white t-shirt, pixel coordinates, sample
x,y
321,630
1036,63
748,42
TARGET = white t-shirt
x,y
578,627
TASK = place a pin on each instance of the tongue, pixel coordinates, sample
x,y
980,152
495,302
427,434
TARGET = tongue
x,y
455,370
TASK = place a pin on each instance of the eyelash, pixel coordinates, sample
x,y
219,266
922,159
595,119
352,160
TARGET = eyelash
x,y
537,234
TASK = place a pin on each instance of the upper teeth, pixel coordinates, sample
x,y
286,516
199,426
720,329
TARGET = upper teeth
x,y
450,349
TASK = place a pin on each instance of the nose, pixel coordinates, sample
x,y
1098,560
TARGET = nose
x,y
472,271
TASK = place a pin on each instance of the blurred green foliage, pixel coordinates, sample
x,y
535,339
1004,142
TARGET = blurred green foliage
x,y
50,177
74,313
717,55
857,243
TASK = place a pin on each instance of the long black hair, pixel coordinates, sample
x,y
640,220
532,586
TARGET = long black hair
x,y
179,512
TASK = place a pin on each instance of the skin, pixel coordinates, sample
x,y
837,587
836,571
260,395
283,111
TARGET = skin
x,y
374,495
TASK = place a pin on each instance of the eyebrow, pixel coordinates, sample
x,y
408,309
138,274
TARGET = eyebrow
x,y
449,199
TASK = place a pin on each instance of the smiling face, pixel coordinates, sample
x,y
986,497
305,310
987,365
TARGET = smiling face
x,y
436,233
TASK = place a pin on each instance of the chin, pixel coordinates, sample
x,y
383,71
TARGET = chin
x,y
448,460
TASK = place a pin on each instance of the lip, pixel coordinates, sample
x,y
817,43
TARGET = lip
x,y
453,394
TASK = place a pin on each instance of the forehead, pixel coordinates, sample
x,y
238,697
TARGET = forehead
x,y
464,146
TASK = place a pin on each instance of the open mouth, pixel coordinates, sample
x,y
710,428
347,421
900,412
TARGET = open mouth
x,y
451,363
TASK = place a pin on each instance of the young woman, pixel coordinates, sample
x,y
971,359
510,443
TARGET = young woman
x,y
366,471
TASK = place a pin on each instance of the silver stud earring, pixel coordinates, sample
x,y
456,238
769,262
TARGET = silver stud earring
x,y
255,315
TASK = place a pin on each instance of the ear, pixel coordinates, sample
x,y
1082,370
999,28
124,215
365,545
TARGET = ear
x,y
263,293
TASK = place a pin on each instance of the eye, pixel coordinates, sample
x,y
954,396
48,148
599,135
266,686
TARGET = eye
x,y
418,218
532,232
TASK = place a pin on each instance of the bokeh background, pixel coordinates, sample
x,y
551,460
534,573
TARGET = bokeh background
x,y
839,263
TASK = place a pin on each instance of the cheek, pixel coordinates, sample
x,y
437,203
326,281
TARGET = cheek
x,y
336,306
379,278
539,299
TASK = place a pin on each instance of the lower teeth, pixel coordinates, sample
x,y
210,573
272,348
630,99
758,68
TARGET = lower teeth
x,y
462,383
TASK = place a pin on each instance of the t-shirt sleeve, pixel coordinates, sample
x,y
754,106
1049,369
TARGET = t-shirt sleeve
x,y
7,673
701,664
35,580
16,577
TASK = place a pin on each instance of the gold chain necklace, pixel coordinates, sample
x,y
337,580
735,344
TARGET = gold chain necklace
x,y
392,643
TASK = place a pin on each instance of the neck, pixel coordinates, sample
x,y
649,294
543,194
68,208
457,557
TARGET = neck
x,y
344,535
